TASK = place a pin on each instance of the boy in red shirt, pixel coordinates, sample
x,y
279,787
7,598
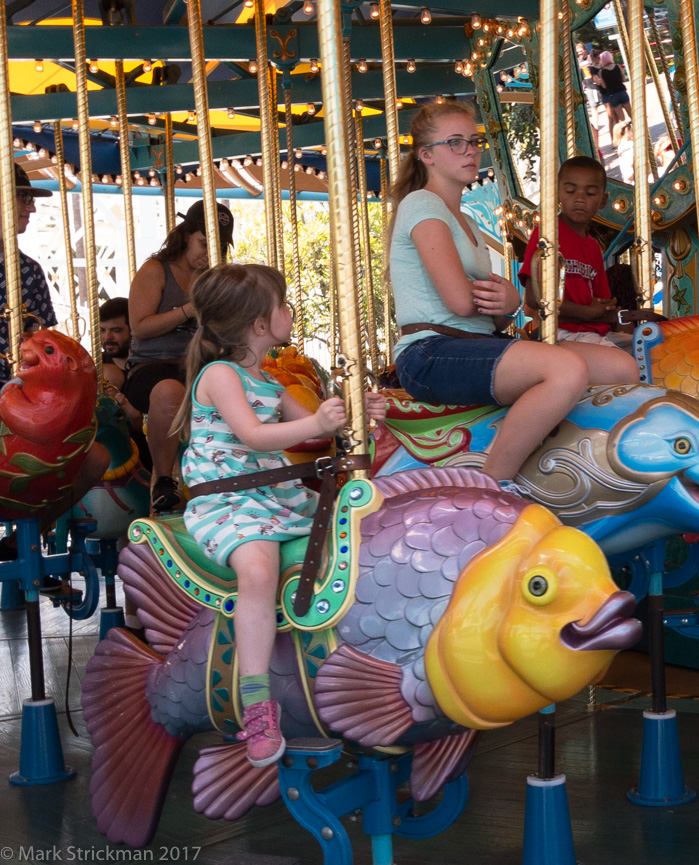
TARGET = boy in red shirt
x,y
587,306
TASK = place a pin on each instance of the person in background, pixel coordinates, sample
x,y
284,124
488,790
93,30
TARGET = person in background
x,y
115,334
623,141
590,89
613,80
162,324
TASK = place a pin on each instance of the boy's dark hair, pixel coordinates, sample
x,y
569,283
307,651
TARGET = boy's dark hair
x,y
623,286
115,307
587,163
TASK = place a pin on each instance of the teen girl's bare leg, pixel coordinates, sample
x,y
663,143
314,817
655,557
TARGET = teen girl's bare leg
x,y
606,364
541,384
256,564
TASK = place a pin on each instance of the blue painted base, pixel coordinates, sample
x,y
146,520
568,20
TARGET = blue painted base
x,y
11,597
548,837
661,781
111,617
40,755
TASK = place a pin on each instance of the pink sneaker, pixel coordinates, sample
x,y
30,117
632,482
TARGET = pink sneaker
x,y
265,741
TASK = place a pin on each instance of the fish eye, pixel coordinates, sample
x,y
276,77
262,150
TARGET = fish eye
x,y
540,585
682,445
49,349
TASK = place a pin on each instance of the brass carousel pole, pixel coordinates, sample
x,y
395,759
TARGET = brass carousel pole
x,y
388,68
277,170
668,77
78,10
642,242
568,91
8,199
295,257
63,192
125,154
366,241
201,104
689,42
663,105
548,123
169,176
624,36
265,131
330,43
387,310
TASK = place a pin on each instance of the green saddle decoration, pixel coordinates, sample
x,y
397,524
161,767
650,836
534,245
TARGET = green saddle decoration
x,y
214,586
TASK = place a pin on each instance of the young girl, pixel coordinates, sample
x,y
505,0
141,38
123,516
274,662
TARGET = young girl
x,y
238,420
450,306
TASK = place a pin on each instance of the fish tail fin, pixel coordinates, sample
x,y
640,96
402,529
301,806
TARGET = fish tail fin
x,y
226,785
134,756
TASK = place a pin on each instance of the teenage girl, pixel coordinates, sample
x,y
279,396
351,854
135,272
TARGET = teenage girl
x,y
441,275
238,420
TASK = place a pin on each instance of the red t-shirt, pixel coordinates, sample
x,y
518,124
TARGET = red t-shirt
x,y
585,274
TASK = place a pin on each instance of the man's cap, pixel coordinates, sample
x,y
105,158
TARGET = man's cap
x,y
22,184
195,218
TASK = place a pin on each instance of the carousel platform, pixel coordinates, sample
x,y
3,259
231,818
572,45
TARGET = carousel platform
x,y
598,748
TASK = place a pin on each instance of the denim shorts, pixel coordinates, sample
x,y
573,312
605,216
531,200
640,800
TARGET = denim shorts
x,y
451,371
617,99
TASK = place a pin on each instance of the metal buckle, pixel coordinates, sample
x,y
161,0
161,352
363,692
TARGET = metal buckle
x,y
620,316
322,465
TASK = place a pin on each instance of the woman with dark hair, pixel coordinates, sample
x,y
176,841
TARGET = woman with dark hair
x,y
162,323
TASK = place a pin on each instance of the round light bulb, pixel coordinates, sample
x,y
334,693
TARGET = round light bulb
x,y
411,65
37,126
39,66
426,16
314,64
361,66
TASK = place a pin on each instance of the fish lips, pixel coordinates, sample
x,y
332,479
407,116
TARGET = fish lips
x,y
611,627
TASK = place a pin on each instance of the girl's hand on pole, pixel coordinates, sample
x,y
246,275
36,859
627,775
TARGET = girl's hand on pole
x,y
375,405
331,416
495,296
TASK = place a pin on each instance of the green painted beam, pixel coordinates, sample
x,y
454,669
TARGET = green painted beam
x,y
239,94
248,143
229,42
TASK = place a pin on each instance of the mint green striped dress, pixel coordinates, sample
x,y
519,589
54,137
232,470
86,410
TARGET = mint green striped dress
x,y
222,521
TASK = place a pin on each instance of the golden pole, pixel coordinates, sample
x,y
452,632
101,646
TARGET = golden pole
x,y
624,36
388,69
63,192
548,123
641,192
125,154
666,114
366,240
8,197
86,179
568,91
352,150
201,105
274,125
170,215
689,42
265,131
293,210
668,78
387,310
330,44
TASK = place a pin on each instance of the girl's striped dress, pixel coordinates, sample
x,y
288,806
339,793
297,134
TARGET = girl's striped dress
x,y
222,521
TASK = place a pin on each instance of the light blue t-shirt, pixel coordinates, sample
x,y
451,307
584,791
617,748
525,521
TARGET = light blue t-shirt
x,y
415,295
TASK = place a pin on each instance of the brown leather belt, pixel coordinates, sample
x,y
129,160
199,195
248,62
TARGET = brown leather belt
x,y
443,329
325,468
626,316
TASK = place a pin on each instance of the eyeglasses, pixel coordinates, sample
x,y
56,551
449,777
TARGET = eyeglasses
x,y
26,198
291,308
460,145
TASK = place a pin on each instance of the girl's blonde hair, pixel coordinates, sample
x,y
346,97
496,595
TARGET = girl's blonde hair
x,y
412,173
228,300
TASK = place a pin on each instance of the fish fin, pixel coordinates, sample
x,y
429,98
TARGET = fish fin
x,y
415,480
134,756
227,785
360,697
442,760
164,609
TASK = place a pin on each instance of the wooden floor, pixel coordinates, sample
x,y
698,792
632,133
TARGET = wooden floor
x,y
598,750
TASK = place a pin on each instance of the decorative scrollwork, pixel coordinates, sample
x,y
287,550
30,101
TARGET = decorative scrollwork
x,y
284,53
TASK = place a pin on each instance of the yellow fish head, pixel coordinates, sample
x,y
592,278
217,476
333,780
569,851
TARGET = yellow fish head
x,y
532,620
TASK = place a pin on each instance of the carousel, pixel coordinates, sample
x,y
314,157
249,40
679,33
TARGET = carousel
x,y
466,673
